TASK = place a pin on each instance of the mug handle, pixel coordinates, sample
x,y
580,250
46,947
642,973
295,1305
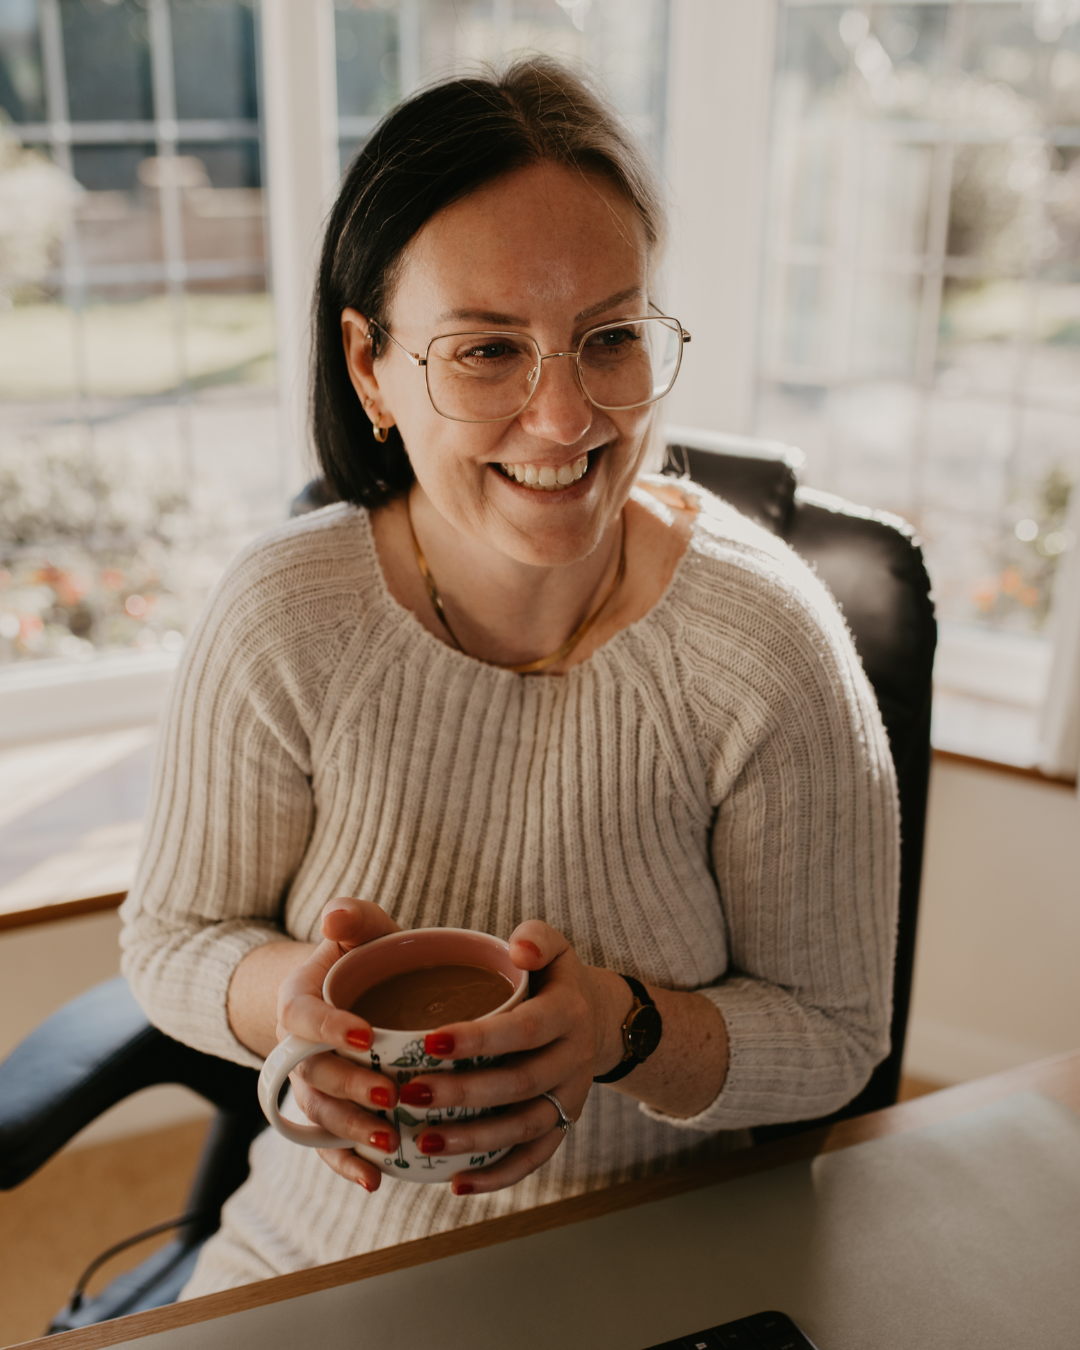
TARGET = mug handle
x,y
279,1064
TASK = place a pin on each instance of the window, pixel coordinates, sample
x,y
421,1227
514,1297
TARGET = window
x,y
386,50
920,334
141,443
139,440
153,395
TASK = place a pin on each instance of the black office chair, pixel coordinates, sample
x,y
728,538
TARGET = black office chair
x,y
872,563
100,1048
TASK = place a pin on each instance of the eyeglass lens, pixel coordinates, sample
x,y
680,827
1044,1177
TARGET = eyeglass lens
x,y
488,377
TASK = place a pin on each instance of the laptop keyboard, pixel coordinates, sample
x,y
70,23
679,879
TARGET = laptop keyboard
x,y
763,1331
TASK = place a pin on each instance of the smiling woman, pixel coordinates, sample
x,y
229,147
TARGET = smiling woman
x,y
519,568
512,683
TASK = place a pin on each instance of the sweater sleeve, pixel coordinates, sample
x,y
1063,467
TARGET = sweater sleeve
x,y
805,850
231,810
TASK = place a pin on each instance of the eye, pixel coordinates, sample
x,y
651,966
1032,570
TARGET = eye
x,y
494,356
489,351
609,338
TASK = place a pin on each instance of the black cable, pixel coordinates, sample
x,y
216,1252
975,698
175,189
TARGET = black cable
x,y
76,1300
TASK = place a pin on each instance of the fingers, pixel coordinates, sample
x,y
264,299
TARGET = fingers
x,y
309,976
337,1077
303,1011
333,1092
518,1080
346,923
534,945
532,1123
509,1170
559,1009
345,1119
350,923
352,1167
517,1125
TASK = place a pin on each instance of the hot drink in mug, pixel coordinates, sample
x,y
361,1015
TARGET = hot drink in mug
x,y
405,985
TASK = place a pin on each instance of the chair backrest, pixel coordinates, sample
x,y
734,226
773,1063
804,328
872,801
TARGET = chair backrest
x,y
872,563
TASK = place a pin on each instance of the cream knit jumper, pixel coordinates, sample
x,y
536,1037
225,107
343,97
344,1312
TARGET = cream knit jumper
x,y
707,803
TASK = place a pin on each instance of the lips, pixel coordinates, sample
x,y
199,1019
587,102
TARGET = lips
x,y
545,478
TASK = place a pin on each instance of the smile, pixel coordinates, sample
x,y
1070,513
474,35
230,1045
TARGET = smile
x,y
543,478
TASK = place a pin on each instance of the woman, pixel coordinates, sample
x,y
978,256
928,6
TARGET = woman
x,y
506,685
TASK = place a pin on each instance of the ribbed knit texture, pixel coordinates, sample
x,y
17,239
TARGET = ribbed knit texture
x,y
707,803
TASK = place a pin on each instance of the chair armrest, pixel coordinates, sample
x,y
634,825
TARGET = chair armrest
x,y
91,1054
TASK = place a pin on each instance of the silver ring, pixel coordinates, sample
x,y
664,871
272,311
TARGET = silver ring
x,y
564,1120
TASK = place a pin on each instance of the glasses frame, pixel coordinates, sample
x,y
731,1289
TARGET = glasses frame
x,y
541,357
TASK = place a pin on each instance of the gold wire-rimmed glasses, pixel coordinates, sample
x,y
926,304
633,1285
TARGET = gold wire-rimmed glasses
x,y
490,376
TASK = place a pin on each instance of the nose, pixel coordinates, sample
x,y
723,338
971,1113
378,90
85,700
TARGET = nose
x,y
558,410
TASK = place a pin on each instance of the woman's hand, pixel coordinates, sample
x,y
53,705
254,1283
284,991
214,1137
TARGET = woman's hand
x,y
332,1091
556,1041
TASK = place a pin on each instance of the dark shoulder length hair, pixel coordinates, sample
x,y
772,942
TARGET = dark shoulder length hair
x,y
430,151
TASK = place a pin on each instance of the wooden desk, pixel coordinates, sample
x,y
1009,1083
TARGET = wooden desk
x,y
1058,1078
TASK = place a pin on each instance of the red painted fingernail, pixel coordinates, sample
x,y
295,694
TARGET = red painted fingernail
x,y
363,1181
380,1096
439,1043
380,1139
432,1143
463,1188
532,948
359,1039
415,1094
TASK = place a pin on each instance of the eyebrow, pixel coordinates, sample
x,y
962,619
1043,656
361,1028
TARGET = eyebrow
x,y
609,303
483,316
492,316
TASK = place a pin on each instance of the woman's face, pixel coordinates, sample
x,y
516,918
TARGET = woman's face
x,y
543,251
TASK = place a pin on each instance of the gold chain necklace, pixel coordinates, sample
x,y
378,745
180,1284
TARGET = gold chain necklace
x,y
526,667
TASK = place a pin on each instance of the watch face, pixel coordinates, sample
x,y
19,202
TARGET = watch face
x,y
643,1031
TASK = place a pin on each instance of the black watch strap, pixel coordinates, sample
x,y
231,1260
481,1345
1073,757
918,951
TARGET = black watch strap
x,y
641,1033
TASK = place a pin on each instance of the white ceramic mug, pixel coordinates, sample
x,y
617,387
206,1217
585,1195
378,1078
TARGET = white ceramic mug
x,y
397,1054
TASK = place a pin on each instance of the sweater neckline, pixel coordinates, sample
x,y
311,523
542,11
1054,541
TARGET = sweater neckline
x,y
420,636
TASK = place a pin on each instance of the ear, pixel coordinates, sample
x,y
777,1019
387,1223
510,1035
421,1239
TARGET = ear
x,y
356,339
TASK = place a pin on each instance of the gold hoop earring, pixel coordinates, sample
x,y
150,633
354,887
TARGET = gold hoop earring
x,y
379,432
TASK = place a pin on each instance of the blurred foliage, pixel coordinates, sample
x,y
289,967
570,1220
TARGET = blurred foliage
x,y
55,496
1030,552
86,554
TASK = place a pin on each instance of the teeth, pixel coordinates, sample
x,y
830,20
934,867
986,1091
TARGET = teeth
x,y
544,478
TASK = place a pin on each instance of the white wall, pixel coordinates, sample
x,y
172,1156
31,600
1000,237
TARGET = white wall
x,y
997,973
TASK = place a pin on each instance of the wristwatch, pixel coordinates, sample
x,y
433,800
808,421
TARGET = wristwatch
x,y
641,1033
